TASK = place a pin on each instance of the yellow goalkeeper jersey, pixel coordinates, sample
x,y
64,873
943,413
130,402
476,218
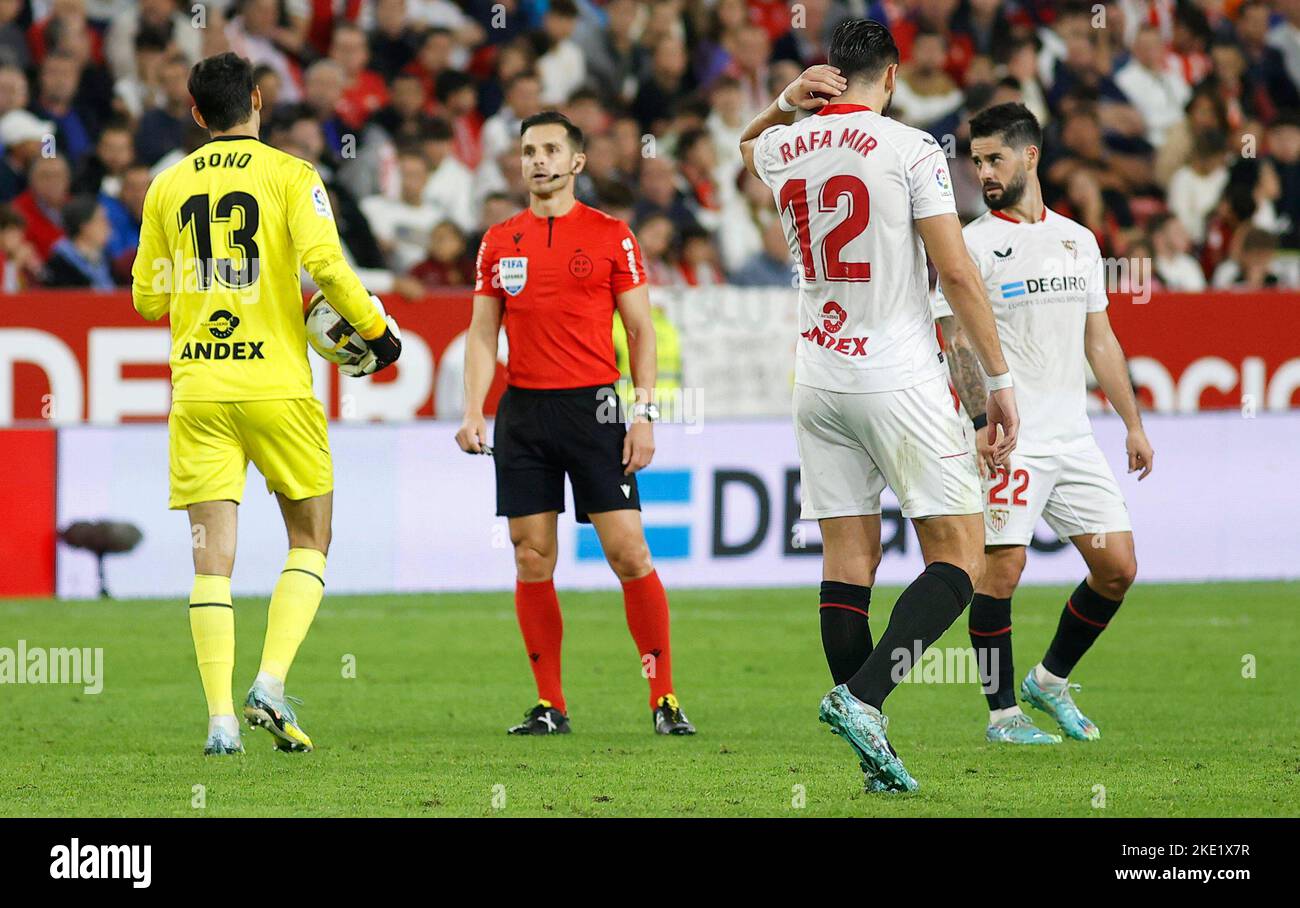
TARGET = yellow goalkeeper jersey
x,y
226,232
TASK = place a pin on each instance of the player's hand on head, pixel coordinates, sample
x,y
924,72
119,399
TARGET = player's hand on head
x,y
1004,423
1140,454
822,79
472,434
638,447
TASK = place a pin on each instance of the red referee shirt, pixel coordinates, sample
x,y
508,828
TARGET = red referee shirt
x,y
559,278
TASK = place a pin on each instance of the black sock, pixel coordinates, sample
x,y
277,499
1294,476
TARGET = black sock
x,y
990,635
846,632
1084,617
926,609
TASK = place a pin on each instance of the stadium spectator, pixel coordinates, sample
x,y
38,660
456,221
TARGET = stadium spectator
x,y
364,91
125,215
1265,67
1195,187
135,93
20,265
560,62
665,85
13,40
78,259
771,267
57,83
698,261
432,59
447,264
102,170
41,204
614,57
162,128
402,225
1284,156
1171,262
501,130
449,190
1159,94
13,89
457,97
394,42
1252,265
323,88
23,137
163,22
255,35
697,162
925,93
657,237
1205,110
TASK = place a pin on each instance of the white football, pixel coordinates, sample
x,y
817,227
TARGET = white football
x,y
331,335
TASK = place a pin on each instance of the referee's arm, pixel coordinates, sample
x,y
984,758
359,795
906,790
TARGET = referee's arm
x,y
634,310
480,367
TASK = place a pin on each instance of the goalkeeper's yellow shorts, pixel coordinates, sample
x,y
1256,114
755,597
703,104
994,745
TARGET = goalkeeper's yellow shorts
x,y
212,442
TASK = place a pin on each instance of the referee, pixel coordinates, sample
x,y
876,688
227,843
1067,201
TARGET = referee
x,y
555,273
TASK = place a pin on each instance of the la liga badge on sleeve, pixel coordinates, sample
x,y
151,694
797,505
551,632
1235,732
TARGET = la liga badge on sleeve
x,y
513,272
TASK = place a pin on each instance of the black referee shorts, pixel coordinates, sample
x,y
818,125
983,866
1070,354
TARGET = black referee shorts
x,y
541,435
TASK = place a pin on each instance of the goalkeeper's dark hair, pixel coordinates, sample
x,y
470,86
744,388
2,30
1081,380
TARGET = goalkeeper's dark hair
x,y
554,117
862,49
222,89
1012,122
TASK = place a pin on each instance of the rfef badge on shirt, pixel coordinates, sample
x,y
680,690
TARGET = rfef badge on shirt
x,y
513,272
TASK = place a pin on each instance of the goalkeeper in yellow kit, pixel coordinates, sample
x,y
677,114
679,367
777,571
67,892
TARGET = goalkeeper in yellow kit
x,y
225,234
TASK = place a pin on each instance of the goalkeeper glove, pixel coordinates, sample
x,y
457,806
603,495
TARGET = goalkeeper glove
x,y
381,352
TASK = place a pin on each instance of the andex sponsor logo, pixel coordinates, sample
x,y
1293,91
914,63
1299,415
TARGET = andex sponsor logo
x,y
76,861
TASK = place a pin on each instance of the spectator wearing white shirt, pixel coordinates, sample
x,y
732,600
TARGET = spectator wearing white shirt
x,y
1252,265
402,226
251,34
1173,264
1158,92
157,16
449,190
562,67
1195,188
924,93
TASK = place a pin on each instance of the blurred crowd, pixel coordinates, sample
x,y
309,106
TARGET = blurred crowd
x,y
1172,128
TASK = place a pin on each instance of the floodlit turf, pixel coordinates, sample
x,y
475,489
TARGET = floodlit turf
x,y
420,728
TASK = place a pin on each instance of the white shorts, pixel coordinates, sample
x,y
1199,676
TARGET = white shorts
x,y
852,445
1075,493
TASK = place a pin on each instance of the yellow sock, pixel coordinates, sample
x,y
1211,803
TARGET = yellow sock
x,y
294,602
212,624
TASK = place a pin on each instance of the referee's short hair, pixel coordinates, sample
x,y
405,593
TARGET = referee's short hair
x,y
222,89
548,117
1013,121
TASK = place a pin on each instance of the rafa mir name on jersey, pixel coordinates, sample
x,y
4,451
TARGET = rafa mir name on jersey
x,y
852,139
233,159
221,324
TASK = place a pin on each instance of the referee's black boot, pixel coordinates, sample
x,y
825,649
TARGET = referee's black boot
x,y
542,719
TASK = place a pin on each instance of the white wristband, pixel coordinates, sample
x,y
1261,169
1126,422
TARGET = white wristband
x,y
998,382
785,105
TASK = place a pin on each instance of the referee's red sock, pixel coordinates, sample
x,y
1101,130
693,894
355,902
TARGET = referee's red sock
x,y
538,611
646,605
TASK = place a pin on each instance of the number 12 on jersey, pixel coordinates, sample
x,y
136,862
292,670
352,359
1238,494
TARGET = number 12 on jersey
x,y
842,190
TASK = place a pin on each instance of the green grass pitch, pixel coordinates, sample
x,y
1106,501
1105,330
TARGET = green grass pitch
x,y
420,728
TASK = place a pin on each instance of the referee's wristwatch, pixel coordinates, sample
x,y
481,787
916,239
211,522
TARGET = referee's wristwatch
x,y
648,412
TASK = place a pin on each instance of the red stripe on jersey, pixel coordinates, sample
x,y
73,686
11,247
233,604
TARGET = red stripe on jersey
x,y
832,109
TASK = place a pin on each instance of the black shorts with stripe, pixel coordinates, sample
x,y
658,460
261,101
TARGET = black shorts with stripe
x,y
541,436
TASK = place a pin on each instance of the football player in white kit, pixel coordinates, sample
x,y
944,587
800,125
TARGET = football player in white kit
x,y
863,198
1045,276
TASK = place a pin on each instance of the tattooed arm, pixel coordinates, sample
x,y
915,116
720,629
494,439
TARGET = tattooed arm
x,y
968,379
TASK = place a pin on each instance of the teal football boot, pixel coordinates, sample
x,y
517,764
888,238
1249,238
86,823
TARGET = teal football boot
x,y
1018,729
863,728
261,710
221,742
1058,704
